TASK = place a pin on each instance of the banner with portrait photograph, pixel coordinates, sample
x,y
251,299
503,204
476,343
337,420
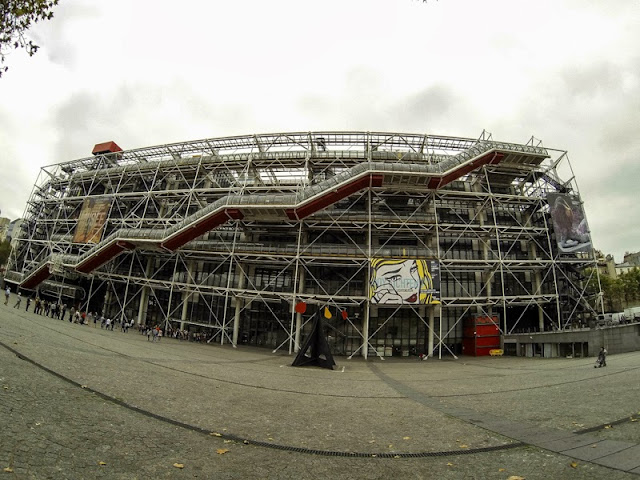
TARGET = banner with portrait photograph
x,y
91,221
396,281
569,223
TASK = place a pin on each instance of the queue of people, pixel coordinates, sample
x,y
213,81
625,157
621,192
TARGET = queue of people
x,y
61,311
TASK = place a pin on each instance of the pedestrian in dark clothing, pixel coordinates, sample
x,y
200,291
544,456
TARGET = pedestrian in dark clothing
x,y
603,355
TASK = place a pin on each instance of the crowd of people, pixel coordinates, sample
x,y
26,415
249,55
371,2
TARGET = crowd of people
x,y
61,311
155,333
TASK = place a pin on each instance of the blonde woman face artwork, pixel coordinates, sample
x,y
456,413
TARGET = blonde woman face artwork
x,y
395,281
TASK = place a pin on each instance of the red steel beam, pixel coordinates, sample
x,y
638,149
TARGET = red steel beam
x,y
492,158
37,278
200,227
331,197
101,257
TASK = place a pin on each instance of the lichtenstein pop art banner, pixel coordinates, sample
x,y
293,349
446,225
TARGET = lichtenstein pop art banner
x,y
404,281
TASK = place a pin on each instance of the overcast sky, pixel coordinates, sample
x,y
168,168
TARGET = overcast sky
x,y
149,72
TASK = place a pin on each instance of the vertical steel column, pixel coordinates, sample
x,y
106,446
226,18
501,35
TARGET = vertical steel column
x,y
365,321
432,326
228,287
144,294
186,294
300,282
126,289
435,211
239,303
173,281
90,293
298,287
537,284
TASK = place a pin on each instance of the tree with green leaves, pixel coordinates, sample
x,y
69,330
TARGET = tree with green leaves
x,y
630,285
16,17
619,292
612,290
5,251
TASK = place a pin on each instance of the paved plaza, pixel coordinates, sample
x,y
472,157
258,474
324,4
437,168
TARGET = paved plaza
x,y
80,402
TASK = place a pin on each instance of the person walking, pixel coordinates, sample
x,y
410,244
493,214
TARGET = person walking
x,y
603,356
7,294
28,303
155,334
17,305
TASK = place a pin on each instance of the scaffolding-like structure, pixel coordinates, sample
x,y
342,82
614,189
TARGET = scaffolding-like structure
x,y
226,235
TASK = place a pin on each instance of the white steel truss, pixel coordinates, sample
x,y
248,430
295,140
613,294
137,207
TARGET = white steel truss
x,y
298,217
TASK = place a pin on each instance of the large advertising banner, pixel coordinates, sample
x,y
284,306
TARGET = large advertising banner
x,y
404,281
91,221
569,223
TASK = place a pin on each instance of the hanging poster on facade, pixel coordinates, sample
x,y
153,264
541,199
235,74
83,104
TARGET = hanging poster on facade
x,y
569,223
91,221
404,281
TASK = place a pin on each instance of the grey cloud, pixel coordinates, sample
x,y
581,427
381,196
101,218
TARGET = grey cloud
x,y
366,105
59,46
436,101
593,111
15,180
592,80
140,115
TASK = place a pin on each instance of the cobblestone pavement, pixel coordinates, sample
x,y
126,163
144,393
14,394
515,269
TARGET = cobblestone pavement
x,y
73,396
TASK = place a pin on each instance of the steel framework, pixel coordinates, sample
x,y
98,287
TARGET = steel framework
x,y
226,235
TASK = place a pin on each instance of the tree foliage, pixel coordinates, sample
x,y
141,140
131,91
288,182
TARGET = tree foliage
x,y
621,291
5,251
16,17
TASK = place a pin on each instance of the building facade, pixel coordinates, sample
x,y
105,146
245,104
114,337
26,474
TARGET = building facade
x,y
394,238
632,258
606,264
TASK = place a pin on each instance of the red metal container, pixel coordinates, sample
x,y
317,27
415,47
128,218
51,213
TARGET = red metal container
x,y
106,147
483,319
481,330
481,335
492,342
470,348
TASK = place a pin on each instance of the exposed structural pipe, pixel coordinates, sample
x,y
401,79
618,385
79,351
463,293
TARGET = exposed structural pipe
x,y
308,200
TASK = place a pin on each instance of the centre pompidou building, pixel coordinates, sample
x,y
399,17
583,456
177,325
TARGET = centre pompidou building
x,y
397,238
